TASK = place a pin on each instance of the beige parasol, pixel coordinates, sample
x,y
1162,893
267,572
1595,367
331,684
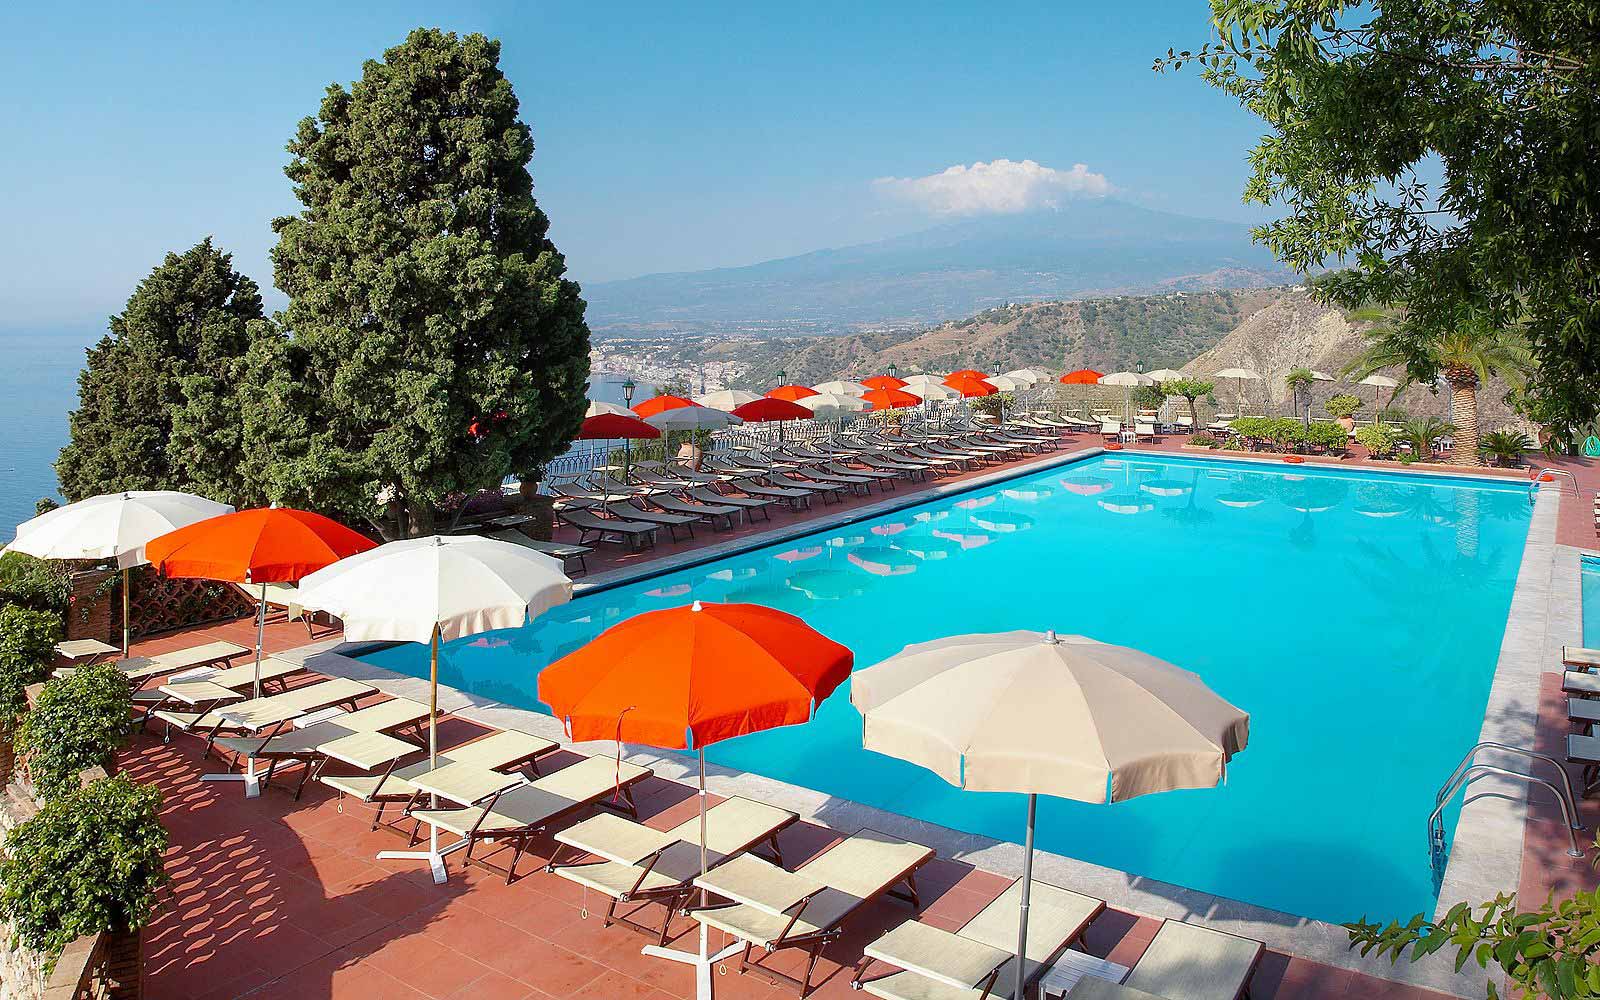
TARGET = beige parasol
x,y
1041,714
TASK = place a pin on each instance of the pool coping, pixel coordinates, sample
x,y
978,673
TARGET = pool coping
x,y
1492,816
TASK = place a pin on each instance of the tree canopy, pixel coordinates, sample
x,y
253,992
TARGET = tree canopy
x,y
434,343
155,406
1444,152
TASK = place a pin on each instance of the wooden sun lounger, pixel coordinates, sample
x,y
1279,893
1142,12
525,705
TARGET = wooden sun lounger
x,y
501,751
1189,962
633,863
515,815
775,909
979,959
306,745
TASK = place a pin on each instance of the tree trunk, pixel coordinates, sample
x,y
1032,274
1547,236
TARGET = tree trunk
x,y
1194,416
418,519
1464,414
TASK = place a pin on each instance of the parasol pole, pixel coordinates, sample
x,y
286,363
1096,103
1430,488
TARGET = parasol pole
x,y
126,579
261,629
1027,888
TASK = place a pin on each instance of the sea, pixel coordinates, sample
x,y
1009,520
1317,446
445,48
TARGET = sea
x,y
39,387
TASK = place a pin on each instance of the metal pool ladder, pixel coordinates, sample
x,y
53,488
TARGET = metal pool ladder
x,y
1469,767
1538,477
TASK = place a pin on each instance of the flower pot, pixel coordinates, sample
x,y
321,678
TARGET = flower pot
x,y
1348,423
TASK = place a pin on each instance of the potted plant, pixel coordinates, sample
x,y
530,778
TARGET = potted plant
x,y
1420,433
1505,446
1342,408
87,862
80,720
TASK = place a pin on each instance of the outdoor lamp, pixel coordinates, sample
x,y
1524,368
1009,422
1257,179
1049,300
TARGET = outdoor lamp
x,y
894,370
627,443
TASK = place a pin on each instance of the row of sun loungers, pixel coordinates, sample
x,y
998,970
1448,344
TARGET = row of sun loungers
x,y
484,796
732,487
1581,682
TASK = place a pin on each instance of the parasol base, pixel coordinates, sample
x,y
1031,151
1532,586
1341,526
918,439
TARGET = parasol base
x,y
703,963
435,859
252,783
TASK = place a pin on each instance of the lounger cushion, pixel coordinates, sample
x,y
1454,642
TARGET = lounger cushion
x,y
1580,656
1188,962
538,802
1580,682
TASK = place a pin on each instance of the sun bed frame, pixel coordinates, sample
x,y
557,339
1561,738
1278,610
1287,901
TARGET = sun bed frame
x,y
931,959
514,816
633,863
814,886
1188,962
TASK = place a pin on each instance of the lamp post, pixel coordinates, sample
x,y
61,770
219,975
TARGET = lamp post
x,y
1000,395
627,443
894,370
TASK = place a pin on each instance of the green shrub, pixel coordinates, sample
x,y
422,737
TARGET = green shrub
x,y
1342,405
89,861
1205,439
27,640
1393,415
34,583
1326,435
1379,439
79,721
1506,446
1283,433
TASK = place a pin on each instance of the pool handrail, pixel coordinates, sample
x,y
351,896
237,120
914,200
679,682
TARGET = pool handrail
x,y
1541,472
1469,766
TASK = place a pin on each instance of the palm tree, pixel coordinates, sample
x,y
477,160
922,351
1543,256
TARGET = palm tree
x,y
1465,357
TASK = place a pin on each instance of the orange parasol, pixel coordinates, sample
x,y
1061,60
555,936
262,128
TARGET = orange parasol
x,y
792,393
266,545
710,671
970,387
887,399
706,672
884,382
1083,376
965,373
651,407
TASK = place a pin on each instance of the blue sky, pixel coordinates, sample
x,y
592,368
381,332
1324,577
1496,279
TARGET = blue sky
x,y
668,139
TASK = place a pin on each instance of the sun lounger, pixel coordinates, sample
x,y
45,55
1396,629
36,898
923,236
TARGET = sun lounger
x,y
911,468
835,490
514,816
750,505
305,745
818,474
727,515
559,550
256,715
980,958
204,685
501,751
796,498
883,477
1585,712
575,490
773,909
1581,683
1111,430
1580,656
637,864
672,522
139,669
1188,962
592,527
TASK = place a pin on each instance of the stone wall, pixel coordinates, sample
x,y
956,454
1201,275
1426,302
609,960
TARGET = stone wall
x,y
21,969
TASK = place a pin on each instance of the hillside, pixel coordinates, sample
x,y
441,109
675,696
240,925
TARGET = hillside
x,y
1295,332
1087,247
1110,334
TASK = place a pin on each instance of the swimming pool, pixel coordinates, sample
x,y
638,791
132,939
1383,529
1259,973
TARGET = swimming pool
x,y
1356,616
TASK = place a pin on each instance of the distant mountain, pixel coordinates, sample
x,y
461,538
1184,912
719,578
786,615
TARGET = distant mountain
x,y
1086,247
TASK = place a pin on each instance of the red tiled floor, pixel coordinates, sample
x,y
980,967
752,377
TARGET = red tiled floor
x,y
276,898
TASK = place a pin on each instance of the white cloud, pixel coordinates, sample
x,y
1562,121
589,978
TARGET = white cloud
x,y
995,188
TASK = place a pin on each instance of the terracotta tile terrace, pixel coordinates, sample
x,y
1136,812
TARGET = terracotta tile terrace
x,y
273,897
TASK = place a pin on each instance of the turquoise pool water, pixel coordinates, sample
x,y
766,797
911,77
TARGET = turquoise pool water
x,y
1591,601
1357,617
